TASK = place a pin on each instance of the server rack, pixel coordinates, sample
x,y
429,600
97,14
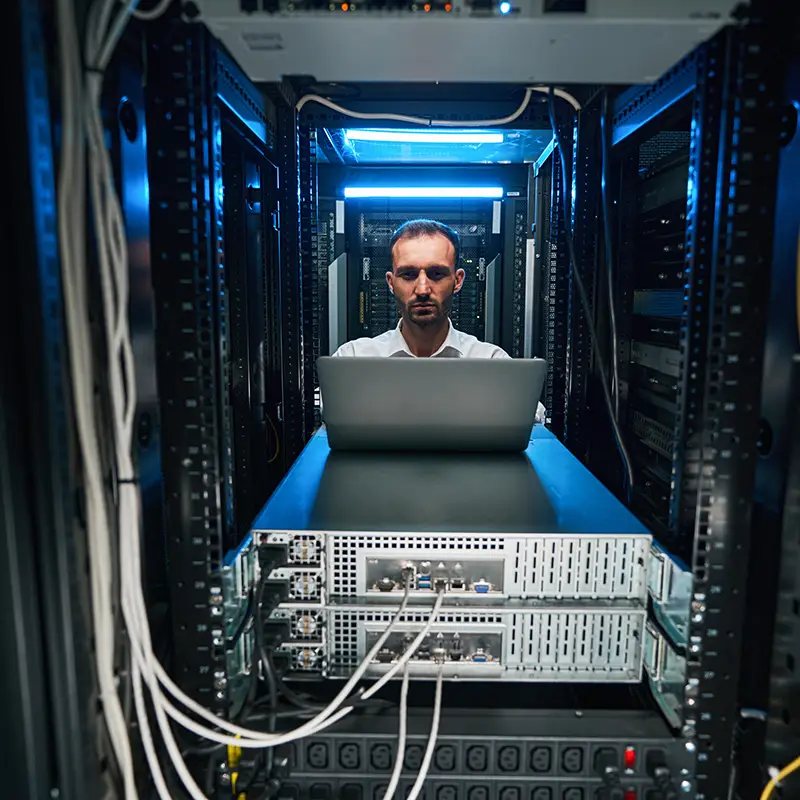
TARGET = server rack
x,y
773,622
728,92
225,239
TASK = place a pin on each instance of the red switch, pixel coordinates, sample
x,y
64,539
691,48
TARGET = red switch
x,y
630,760
630,794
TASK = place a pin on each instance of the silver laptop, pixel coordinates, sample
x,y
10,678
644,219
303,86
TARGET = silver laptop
x,y
466,404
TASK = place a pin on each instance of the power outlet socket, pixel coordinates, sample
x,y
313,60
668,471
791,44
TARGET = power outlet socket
x,y
379,792
477,758
413,760
478,793
446,793
508,759
380,757
573,793
572,762
444,759
542,793
510,793
317,756
350,756
541,760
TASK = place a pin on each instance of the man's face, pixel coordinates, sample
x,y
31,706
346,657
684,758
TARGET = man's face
x,y
424,278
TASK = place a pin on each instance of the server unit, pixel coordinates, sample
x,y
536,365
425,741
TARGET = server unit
x,y
536,587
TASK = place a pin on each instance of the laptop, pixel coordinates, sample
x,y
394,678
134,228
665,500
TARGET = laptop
x,y
445,404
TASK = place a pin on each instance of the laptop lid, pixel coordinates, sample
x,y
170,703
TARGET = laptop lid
x,y
466,404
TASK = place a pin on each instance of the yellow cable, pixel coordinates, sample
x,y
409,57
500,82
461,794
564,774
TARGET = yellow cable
x,y
779,778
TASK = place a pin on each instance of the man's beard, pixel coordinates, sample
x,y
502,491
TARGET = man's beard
x,y
435,312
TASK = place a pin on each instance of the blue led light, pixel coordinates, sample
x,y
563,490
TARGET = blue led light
x,y
505,8
424,191
425,137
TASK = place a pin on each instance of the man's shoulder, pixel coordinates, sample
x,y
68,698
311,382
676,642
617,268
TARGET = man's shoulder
x,y
472,347
366,346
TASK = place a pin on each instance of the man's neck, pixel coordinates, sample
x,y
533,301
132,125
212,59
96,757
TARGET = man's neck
x,y
424,341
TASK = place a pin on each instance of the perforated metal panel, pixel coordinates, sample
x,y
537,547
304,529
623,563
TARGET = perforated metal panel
x,y
585,645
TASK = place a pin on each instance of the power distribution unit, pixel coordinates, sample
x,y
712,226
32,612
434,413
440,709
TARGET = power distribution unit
x,y
544,573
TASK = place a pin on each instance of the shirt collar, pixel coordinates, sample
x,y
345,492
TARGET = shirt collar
x,y
449,346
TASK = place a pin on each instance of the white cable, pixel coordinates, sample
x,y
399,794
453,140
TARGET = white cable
x,y
401,738
434,735
326,718
153,13
71,191
256,739
559,93
146,735
112,256
444,123
409,651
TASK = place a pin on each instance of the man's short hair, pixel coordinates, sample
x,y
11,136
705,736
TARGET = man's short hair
x,y
415,228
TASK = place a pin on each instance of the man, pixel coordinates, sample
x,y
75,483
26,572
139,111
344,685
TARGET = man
x,y
424,277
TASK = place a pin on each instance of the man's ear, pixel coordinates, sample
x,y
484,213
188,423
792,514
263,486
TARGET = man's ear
x,y
460,275
390,281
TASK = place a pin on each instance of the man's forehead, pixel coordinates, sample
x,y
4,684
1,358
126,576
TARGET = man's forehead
x,y
422,251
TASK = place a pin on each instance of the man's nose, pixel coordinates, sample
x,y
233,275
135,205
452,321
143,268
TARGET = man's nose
x,y
422,285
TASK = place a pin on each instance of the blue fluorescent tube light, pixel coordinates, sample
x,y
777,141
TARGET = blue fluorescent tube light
x,y
424,191
425,137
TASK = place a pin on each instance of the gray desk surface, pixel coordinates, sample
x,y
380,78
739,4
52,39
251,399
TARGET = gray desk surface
x,y
543,490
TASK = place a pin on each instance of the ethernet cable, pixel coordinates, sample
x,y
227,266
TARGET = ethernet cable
x,y
401,738
412,648
443,123
326,718
153,13
72,245
82,121
433,736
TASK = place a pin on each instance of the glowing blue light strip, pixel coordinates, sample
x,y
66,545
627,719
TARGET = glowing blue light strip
x,y
425,137
495,192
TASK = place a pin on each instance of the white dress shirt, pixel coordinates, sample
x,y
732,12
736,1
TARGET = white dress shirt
x,y
456,345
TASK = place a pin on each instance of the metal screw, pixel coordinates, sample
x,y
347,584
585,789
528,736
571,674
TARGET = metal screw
x,y
686,786
690,747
